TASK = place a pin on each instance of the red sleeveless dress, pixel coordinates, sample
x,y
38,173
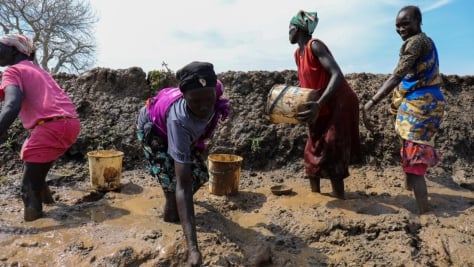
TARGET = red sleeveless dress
x,y
333,139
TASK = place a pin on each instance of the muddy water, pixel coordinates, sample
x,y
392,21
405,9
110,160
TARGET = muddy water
x,y
101,225
376,224
85,222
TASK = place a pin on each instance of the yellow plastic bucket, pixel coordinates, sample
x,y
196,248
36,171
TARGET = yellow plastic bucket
x,y
105,168
283,101
224,174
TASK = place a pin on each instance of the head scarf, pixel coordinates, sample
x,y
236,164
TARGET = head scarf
x,y
21,42
306,21
196,75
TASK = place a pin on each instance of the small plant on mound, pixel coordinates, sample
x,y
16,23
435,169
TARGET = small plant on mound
x,y
11,140
255,145
159,79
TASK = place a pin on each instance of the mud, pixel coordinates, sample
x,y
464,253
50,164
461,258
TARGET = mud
x,y
377,225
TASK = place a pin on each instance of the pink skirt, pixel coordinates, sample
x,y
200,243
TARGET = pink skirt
x,y
50,140
416,158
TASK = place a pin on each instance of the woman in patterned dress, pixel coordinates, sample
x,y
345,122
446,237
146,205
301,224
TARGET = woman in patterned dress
x,y
417,103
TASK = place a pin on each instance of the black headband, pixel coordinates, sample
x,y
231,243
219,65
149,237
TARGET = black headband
x,y
196,75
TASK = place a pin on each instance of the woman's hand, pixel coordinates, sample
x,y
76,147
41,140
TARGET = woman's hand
x,y
308,112
194,258
365,112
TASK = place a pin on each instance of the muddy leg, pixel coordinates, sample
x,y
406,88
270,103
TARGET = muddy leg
x,y
46,195
170,211
33,209
34,175
408,182
420,191
315,184
338,188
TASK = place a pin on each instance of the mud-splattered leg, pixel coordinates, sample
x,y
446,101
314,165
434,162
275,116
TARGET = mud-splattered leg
x,y
338,188
46,195
34,175
408,182
315,184
420,191
170,210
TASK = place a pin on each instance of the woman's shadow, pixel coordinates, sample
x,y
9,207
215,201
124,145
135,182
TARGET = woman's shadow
x,y
441,205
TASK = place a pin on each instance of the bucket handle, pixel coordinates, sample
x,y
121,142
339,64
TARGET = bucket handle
x,y
280,95
221,172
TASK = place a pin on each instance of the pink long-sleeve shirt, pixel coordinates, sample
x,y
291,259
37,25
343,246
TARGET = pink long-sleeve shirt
x,y
42,97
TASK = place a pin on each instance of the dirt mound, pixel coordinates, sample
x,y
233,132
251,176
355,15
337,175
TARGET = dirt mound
x,y
107,101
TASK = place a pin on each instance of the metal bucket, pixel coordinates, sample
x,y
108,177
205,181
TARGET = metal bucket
x,y
283,101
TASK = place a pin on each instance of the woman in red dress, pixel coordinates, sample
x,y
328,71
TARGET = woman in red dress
x,y
333,120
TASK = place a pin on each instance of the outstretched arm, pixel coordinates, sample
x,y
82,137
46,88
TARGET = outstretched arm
x,y
386,88
184,201
11,107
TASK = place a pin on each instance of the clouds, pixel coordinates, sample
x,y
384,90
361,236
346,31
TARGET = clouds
x,y
246,35
436,5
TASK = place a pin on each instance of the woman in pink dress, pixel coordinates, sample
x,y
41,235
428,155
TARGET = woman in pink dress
x,y
45,110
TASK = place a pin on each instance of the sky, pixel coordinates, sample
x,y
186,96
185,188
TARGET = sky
x,y
252,35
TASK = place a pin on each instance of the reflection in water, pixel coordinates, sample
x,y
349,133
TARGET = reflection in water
x,y
97,212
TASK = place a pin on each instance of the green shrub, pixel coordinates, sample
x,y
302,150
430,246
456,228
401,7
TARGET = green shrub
x,y
159,79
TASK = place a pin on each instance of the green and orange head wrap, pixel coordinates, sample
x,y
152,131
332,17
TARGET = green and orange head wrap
x,y
306,21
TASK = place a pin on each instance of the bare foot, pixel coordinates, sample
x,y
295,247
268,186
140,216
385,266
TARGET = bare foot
x,y
194,258
315,184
